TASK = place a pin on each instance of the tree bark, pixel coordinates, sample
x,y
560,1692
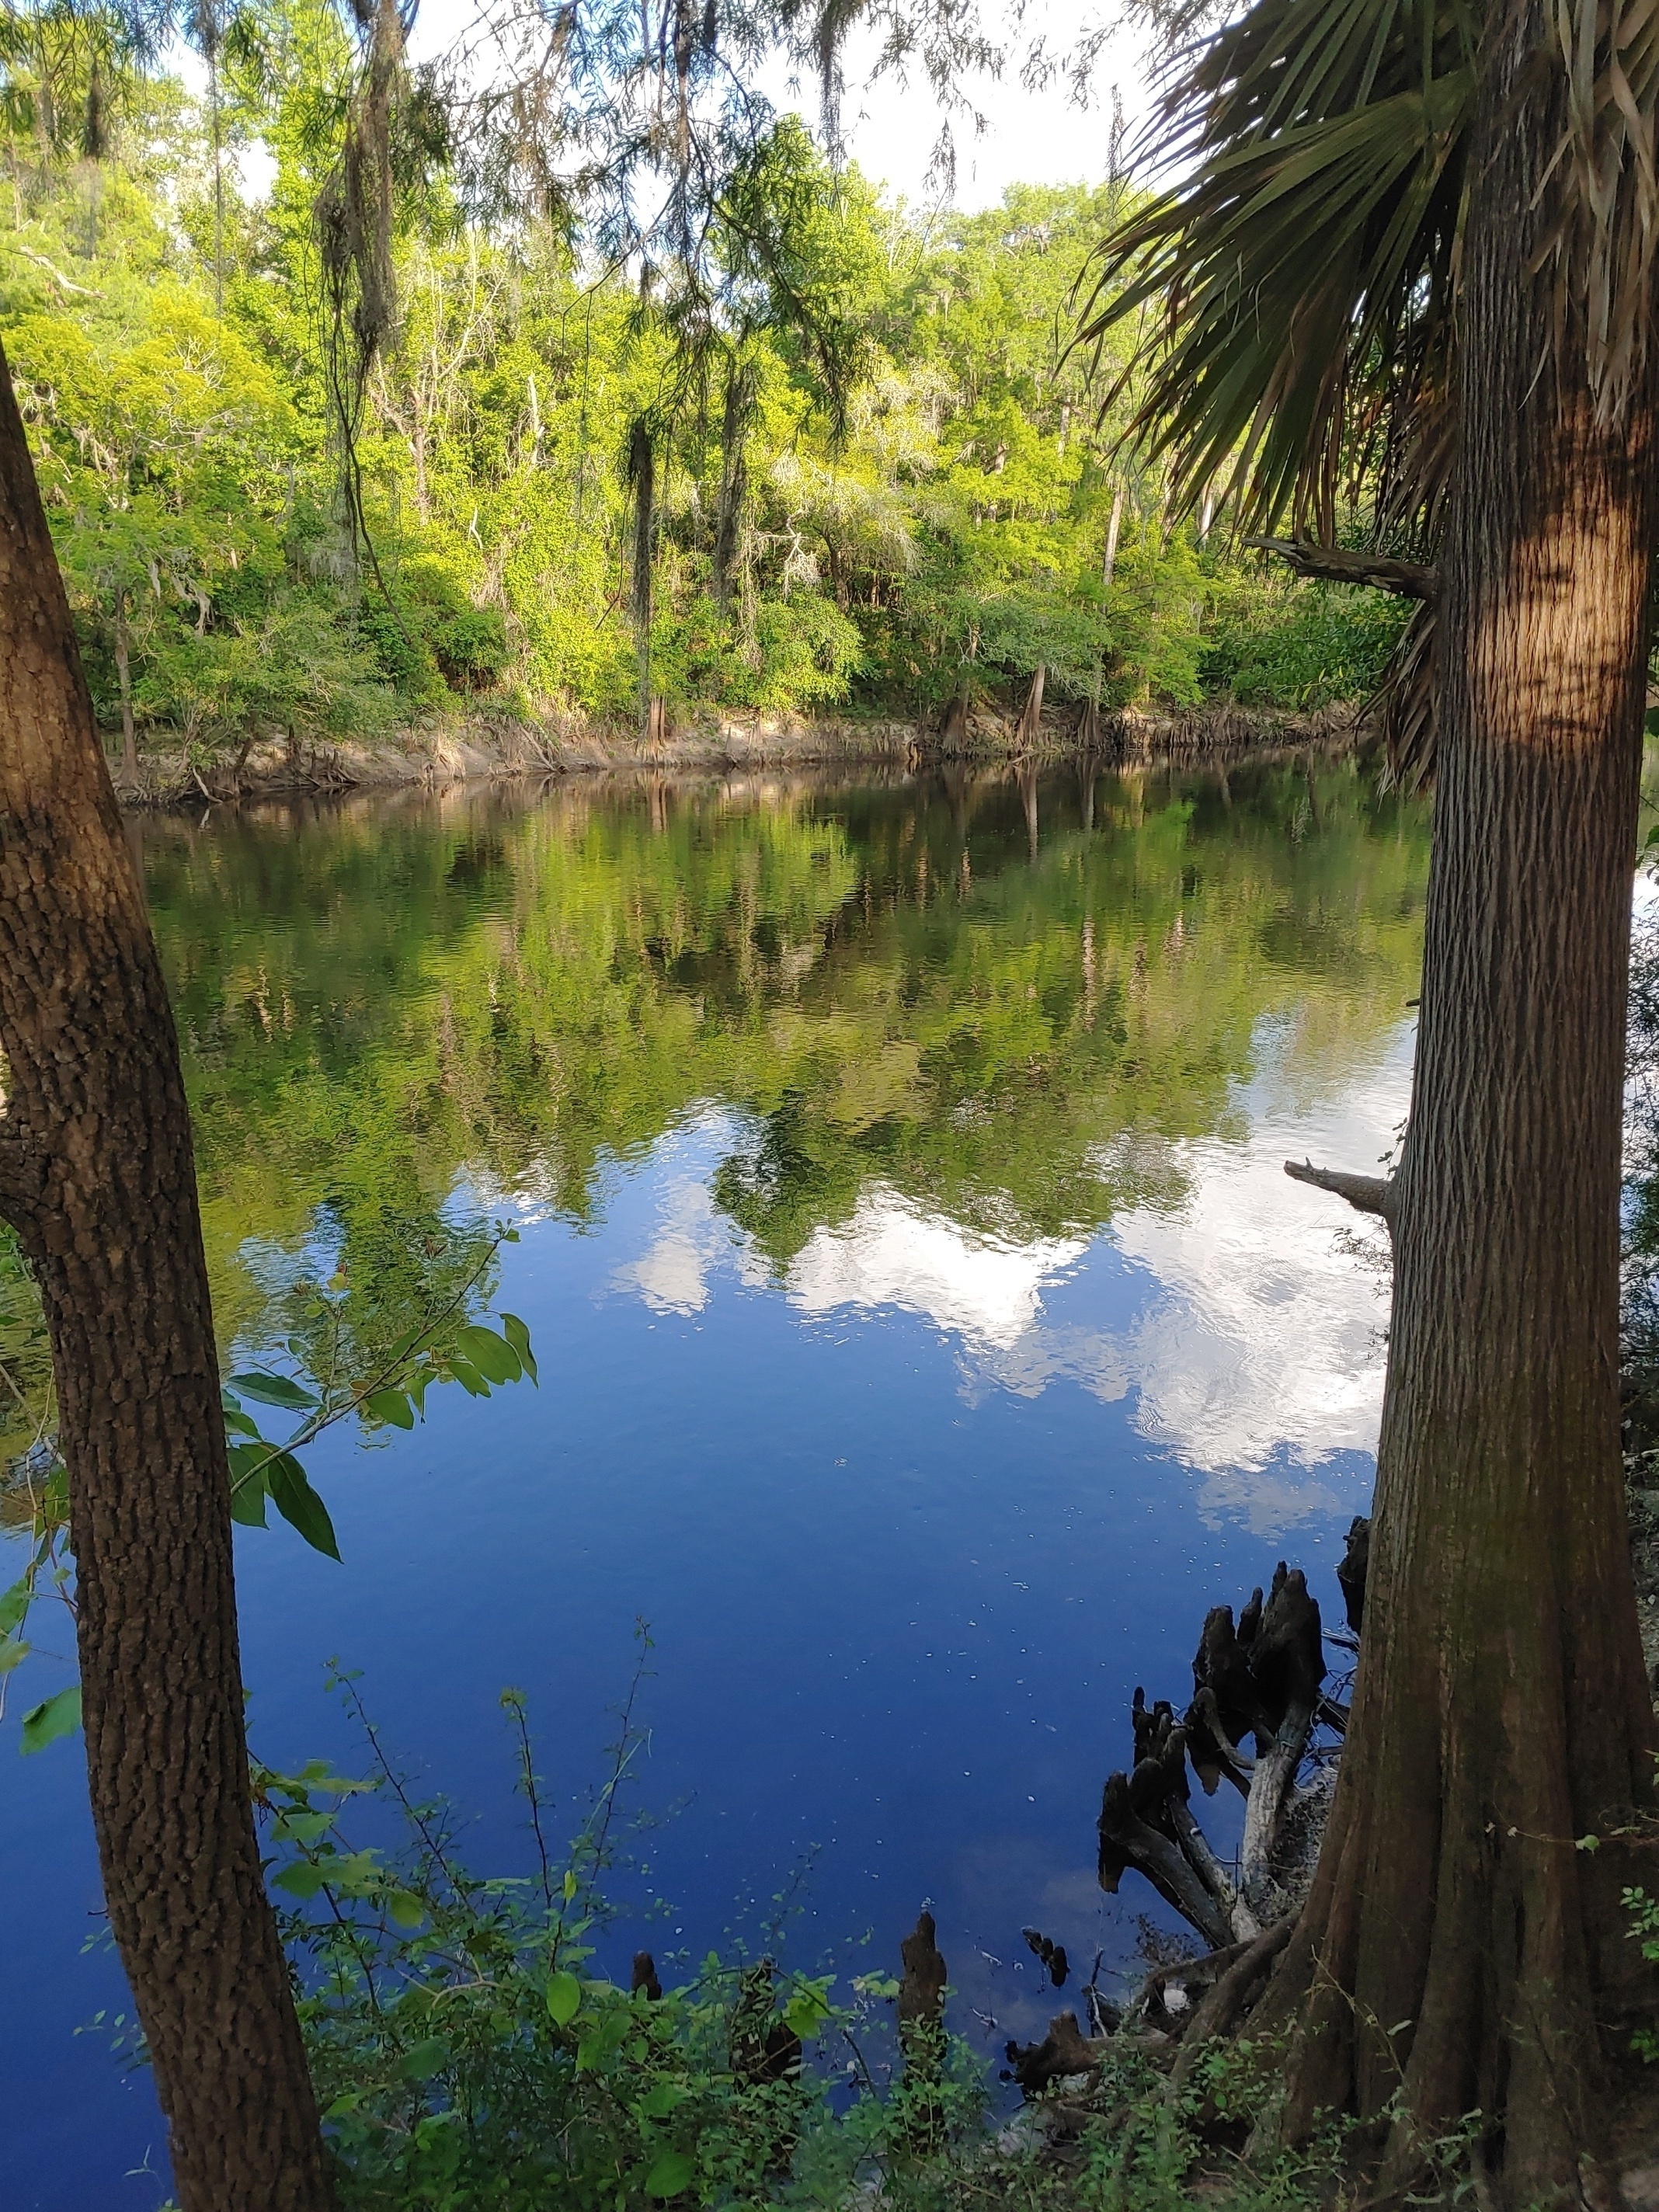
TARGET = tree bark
x,y
1456,1951
98,1177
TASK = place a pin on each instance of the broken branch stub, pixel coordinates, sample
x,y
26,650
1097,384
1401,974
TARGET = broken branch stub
x,y
1366,1194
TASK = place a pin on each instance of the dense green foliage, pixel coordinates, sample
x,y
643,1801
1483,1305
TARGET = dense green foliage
x,y
471,2055
888,486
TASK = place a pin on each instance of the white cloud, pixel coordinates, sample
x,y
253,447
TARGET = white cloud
x,y
892,1254
1254,1351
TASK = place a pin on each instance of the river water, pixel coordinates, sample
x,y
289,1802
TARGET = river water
x,y
927,1332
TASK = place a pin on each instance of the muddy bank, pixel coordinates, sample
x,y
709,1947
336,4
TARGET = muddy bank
x,y
481,748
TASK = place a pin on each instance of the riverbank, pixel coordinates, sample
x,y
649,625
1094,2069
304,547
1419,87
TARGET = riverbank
x,y
480,748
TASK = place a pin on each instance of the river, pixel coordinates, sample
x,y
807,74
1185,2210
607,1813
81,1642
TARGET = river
x,y
927,1332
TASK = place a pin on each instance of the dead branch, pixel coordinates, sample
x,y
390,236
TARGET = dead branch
x,y
1127,1840
1337,564
1366,1194
1064,2050
81,291
1210,1871
1219,2010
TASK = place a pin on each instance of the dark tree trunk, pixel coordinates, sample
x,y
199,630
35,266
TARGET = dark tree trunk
x,y
1501,1709
97,1173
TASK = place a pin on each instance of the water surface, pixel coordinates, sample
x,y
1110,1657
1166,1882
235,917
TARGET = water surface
x,y
927,1332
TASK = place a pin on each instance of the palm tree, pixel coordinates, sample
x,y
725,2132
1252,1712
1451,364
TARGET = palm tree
x,y
1416,241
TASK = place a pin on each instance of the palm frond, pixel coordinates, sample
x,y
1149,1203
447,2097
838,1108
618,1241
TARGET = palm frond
x,y
1301,277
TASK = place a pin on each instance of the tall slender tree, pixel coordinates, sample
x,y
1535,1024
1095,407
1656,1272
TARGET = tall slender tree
x,y
1421,244
97,1175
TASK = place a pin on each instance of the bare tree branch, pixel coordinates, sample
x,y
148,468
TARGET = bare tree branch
x,y
1368,1194
1335,564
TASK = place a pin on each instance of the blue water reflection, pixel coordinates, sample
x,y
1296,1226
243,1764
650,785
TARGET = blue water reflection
x,y
911,1497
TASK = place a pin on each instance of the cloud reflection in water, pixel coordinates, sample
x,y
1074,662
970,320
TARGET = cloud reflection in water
x,y
1253,1348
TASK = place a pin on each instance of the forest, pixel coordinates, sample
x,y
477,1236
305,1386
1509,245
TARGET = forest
x,y
902,1238
889,485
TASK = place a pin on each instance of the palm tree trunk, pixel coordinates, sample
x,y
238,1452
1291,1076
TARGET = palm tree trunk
x,y
97,1174
1502,1709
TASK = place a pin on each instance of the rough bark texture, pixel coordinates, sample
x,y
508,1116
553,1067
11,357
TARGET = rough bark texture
x,y
96,1171
1456,1948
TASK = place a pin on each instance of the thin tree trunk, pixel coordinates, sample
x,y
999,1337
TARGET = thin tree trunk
x,y
1457,1952
123,677
642,481
1030,728
1114,525
97,1173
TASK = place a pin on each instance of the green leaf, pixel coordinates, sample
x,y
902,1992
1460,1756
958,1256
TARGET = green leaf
x,y
303,1879
404,1910
425,2060
659,2101
464,1372
564,1999
390,1405
302,1827
249,1476
54,1717
492,1355
300,1506
12,1651
14,1604
670,2176
275,1390
239,1424
805,2013
518,1336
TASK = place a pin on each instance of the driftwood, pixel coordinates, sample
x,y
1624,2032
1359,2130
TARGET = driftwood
x,y
1227,1999
1128,1840
1064,2050
1260,1677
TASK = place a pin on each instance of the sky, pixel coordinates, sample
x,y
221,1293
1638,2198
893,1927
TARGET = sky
x,y
892,128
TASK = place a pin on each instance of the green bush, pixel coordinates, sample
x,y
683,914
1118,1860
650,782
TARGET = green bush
x,y
1273,643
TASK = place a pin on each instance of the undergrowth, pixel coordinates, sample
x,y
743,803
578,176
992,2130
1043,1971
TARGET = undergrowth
x,y
470,2056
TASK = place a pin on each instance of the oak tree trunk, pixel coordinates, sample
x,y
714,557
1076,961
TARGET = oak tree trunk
x,y
96,1171
1457,1952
